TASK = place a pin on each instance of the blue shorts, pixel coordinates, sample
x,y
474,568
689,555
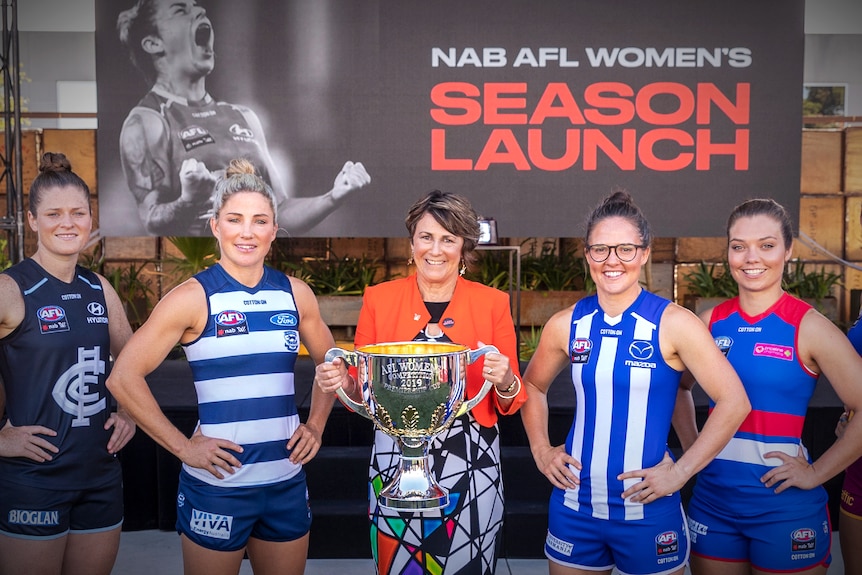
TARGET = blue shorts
x,y
649,546
224,518
28,512
785,540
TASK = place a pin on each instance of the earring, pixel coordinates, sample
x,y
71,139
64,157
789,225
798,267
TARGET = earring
x,y
410,259
463,269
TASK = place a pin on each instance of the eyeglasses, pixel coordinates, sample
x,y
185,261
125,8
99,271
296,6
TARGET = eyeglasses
x,y
624,252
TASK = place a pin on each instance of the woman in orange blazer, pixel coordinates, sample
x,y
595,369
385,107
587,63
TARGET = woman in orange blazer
x,y
437,304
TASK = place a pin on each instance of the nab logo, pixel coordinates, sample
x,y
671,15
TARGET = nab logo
x,y
580,350
803,539
283,319
230,318
51,313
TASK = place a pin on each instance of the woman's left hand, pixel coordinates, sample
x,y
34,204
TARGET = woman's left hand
x,y
124,429
304,444
656,482
497,370
793,472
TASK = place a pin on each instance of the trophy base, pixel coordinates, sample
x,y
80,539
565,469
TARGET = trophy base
x,y
413,487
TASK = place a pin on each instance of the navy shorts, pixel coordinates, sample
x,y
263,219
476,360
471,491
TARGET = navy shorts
x,y
639,547
28,512
784,540
224,518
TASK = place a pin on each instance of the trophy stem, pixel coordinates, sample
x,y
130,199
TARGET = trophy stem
x,y
413,486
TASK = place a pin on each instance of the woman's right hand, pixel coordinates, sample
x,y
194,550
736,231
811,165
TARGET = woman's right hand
x,y
24,441
557,466
332,375
210,454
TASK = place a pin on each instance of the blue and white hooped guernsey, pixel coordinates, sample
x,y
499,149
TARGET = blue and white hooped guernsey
x,y
243,367
625,398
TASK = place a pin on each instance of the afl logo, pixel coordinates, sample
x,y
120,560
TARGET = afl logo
x,y
581,345
641,350
230,318
192,132
95,308
803,535
666,538
724,343
51,313
283,319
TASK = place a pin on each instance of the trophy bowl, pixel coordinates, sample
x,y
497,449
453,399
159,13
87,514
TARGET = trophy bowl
x,y
412,391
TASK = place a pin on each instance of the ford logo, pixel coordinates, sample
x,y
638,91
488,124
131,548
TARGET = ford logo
x,y
283,319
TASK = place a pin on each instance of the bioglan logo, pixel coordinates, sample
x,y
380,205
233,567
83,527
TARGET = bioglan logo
x,y
26,517
211,524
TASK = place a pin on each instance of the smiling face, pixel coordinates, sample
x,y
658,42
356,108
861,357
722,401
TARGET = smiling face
x,y
436,252
245,229
185,37
756,253
613,277
62,221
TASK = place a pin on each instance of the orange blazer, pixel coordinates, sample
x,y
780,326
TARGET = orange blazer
x,y
394,311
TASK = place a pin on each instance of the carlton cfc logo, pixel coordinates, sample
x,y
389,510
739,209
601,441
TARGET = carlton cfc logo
x,y
230,318
51,313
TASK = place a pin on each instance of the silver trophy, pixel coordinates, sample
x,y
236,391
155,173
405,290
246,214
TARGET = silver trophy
x,y
412,391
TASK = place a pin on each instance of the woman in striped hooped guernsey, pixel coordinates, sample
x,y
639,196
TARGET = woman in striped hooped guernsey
x,y
242,486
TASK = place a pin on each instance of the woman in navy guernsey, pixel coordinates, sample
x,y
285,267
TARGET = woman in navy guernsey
x,y
61,491
242,486
616,501
759,506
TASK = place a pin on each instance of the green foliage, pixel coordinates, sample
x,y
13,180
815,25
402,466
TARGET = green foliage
x,y
548,270
705,281
491,268
5,260
815,284
198,253
135,288
335,276
529,343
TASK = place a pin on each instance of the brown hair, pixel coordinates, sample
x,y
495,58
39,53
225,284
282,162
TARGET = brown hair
x,y
763,207
55,171
454,213
620,204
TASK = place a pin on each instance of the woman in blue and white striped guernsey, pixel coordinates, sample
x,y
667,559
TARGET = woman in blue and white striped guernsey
x,y
242,486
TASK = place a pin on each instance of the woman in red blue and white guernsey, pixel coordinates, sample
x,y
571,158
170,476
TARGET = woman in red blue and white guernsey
x,y
242,486
616,502
759,506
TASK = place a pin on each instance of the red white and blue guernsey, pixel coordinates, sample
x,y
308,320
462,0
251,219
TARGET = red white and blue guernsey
x,y
54,366
763,351
625,398
243,367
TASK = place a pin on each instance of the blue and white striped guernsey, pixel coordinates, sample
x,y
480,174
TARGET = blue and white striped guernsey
x,y
625,398
243,367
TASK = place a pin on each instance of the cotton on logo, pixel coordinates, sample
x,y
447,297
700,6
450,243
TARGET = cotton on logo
x,y
230,318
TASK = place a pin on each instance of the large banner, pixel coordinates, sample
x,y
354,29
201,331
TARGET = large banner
x,y
533,110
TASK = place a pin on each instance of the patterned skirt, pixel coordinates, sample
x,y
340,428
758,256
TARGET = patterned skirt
x,y
458,539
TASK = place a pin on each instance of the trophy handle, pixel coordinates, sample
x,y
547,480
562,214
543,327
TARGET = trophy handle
x,y
350,359
486,387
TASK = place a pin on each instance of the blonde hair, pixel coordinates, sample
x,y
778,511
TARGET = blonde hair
x,y
240,176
